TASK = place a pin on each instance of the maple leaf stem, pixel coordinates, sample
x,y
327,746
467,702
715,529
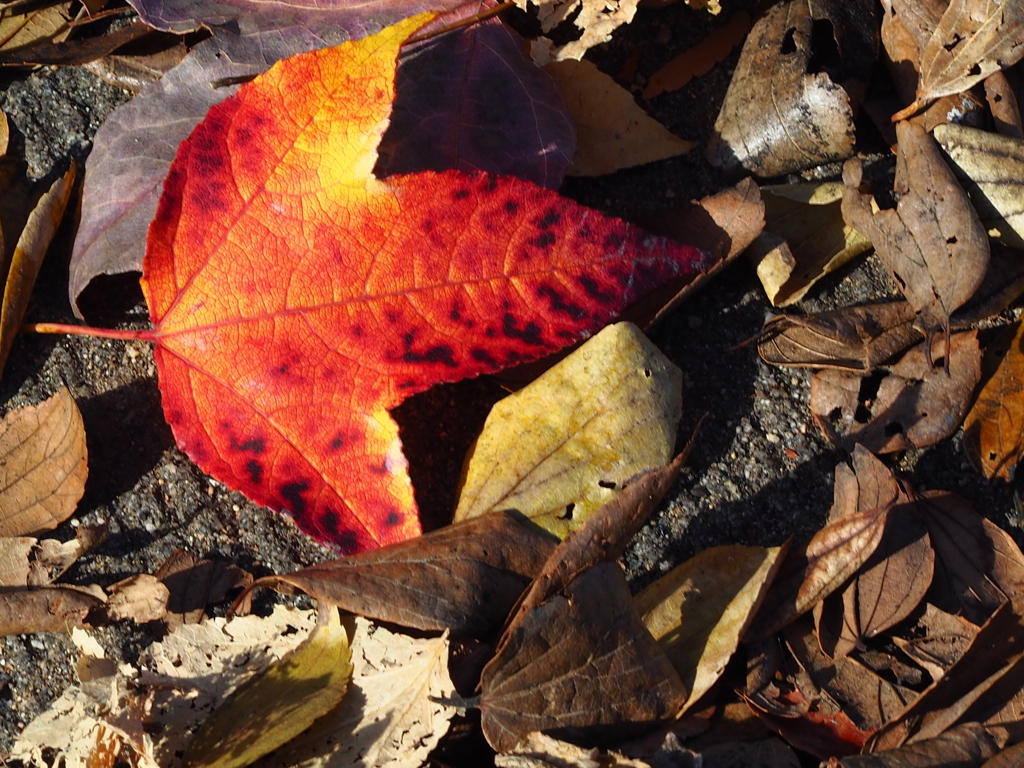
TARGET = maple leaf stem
x,y
145,334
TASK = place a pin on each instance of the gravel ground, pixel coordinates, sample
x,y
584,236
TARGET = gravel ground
x,y
761,471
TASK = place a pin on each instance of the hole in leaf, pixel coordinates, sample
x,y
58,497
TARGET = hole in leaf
x,y
893,428
647,373
953,43
991,455
951,240
606,484
788,43
567,515
824,48
868,391
976,69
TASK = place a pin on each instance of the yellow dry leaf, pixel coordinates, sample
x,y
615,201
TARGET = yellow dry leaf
x,y
44,466
991,169
564,445
612,131
596,18
805,239
392,715
33,243
699,611
270,710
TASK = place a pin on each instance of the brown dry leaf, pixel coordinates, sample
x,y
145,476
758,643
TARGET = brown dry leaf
x,y
907,26
33,242
580,665
76,51
603,538
1003,284
1012,757
43,465
938,640
974,38
52,558
699,611
466,576
886,590
990,167
194,584
45,609
994,427
140,598
865,697
564,445
1002,103
979,566
864,484
133,73
31,25
612,131
780,115
811,573
852,338
805,239
996,649
911,404
966,745
14,566
701,58
932,242
723,224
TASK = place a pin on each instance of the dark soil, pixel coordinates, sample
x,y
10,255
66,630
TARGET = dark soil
x,y
761,471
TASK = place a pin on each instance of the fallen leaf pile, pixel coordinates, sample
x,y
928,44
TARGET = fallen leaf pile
x,y
336,207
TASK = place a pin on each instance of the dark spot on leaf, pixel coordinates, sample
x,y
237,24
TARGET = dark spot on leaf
x,y
439,353
461,194
347,542
256,445
490,333
428,225
511,207
614,241
255,470
483,356
337,442
559,304
530,333
490,183
391,316
407,384
593,290
585,232
330,520
393,518
357,331
550,218
545,240
514,358
225,424
292,493
378,469
455,314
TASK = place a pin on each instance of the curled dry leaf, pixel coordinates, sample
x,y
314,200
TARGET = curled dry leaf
x,y
1002,103
612,131
911,404
1010,757
194,584
811,573
932,241
580,665
44,466
27,25
991,169
33,242
974,38
994,427
279,703
805,239
867,484
45,609
699,611
465,577
779,115
852,338
566,444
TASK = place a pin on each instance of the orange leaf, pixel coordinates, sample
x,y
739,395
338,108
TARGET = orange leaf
x,y
296,298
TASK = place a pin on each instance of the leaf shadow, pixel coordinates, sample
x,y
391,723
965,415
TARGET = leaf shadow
x,y
126,435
